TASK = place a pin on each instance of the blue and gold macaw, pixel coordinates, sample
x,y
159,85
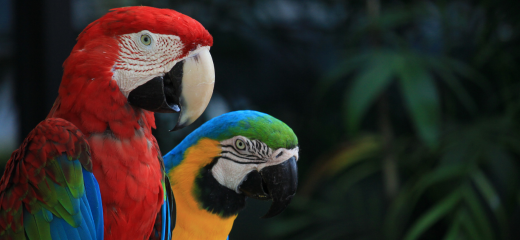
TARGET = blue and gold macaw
x,y
212,171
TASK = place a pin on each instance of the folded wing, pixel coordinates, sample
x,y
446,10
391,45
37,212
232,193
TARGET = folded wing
x,y
48,190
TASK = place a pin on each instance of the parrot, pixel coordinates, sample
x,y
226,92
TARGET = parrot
x,y
233,156
92,169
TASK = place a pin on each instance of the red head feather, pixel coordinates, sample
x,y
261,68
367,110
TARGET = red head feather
x,y
162,21
88,94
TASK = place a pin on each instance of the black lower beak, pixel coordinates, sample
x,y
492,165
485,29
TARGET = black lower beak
x,y
161,94
278,182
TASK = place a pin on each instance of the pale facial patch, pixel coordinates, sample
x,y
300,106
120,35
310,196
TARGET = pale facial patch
x,y
139,62
235,163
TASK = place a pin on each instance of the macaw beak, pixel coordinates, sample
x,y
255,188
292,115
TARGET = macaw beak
x,y
186,88
277,182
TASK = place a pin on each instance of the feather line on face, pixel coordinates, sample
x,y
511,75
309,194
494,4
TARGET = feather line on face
x,y
235,163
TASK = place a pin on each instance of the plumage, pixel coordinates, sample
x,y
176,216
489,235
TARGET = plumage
x,y
43,186
101,101
205,207
125,155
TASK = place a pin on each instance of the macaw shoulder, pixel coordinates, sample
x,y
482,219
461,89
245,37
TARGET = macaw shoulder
x,y
201,149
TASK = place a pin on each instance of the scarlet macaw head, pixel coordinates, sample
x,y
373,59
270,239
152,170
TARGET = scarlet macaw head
x,y
158,58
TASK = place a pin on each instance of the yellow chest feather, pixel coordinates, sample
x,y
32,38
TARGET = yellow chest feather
x,y
193,222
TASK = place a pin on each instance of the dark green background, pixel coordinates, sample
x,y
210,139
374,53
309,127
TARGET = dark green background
x,y
407,112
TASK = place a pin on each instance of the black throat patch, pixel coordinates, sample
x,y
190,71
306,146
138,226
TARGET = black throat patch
x,y
214,197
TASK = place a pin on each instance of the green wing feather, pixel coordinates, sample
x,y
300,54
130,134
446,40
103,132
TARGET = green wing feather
x,y
45,177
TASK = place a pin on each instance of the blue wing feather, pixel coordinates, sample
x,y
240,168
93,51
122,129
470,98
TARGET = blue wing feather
x,y
90,213
164,209
165,222
94,200
169,221
48,190
91,210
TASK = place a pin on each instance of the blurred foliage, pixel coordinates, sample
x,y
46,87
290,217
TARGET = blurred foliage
x,y
444,76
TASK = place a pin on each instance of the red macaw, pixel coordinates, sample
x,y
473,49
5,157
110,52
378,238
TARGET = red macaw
x,y
126,65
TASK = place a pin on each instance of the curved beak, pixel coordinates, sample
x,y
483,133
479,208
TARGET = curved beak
x,y
277,182
186,88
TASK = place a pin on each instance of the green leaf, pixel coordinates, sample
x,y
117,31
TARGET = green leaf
x,y
404,203
493,199
352,153
356,174
355,61
449,77
470,227
358,150
479,215
454,231
367,86
468,72
422,100
433,215
440,174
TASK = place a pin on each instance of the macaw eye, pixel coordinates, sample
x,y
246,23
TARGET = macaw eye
x,y
240,144
146,39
